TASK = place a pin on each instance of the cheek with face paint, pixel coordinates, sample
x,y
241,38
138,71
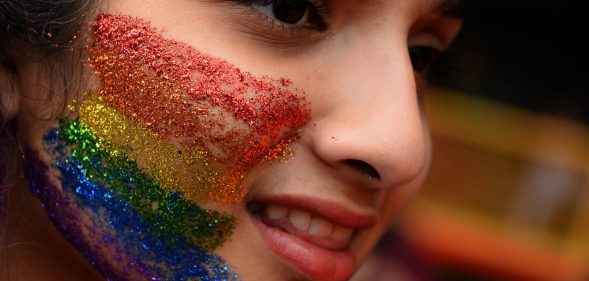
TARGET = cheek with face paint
x,y
170,128
227,118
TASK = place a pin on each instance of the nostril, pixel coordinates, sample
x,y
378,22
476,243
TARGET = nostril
x,y
363,167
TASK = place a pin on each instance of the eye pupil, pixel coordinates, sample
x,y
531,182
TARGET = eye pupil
x,y
290,12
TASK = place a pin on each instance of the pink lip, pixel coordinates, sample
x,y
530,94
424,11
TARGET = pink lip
x,y
331,212
313,259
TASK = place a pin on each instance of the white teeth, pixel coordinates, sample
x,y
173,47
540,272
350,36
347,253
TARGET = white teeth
x,y
276,212
320,228
341,233
314,225
300,219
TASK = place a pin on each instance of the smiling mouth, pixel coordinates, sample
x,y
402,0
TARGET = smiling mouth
x,y
305,225
312,236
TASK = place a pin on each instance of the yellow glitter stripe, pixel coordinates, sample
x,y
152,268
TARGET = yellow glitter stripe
x,y
187,170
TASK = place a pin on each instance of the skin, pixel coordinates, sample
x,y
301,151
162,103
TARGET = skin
x,y
365,100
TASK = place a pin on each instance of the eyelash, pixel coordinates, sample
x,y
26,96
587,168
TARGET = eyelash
x,y
318,11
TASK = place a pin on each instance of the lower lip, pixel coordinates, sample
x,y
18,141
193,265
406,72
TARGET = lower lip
x,y
315,262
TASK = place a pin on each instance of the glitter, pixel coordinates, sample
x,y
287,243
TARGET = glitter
x,y
196,100
172,166
64,211
172,213
170,127
108,197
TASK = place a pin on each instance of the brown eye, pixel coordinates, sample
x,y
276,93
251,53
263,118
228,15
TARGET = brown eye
x,y
291,12
423,57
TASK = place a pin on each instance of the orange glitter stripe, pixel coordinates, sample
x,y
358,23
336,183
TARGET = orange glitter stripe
x,y
187,170
195,99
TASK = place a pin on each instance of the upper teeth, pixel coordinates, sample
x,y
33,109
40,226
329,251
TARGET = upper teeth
x,y
314,225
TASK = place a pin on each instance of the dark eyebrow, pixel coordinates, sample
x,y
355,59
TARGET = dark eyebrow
x,y
450,8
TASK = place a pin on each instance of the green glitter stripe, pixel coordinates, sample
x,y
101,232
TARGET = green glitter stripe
x,y
167,211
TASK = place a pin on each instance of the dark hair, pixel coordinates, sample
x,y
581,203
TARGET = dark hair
x,y
36,31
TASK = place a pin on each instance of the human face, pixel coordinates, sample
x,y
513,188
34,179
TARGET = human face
x,y
218,142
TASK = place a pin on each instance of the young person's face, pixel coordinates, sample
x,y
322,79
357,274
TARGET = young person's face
x,y
241,138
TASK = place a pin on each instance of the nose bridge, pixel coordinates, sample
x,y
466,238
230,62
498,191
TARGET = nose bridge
x,y
374,116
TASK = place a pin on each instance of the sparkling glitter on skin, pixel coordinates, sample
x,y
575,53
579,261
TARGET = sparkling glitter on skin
x,y
196,100
64,211
188,99
111,199
167,211
184,167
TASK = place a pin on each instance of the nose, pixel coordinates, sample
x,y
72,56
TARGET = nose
x,y
368,120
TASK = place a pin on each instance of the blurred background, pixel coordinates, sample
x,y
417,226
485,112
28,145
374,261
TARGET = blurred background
x,y
508,193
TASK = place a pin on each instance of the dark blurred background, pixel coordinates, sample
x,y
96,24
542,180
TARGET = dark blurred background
x,y
530,54
508,193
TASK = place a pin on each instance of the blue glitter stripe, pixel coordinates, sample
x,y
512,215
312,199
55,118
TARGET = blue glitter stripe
x,y
67,217
166,210
177,260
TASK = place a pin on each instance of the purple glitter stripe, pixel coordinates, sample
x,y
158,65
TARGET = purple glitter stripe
x,y
63,206
86,205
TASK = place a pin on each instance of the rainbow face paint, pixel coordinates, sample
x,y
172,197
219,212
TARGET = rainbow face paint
x,y
125,224
172,165
170,128
209,107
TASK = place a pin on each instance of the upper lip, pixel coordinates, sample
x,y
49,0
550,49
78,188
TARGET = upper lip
x,y
330,211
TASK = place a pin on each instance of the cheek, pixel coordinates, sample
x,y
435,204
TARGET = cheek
x,y
169,129
222,121
118,217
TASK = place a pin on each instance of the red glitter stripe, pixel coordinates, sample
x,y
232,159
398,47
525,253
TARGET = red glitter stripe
x,y
195,99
